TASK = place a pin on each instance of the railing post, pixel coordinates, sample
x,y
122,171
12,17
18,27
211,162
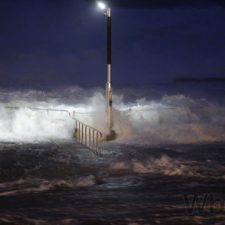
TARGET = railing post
x,y
89,137
85,133
79,131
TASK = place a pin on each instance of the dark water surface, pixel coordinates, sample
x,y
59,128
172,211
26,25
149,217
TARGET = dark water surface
x,y
64,183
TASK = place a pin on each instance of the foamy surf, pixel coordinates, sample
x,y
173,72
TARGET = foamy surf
x,y
66,183
27,186
29,116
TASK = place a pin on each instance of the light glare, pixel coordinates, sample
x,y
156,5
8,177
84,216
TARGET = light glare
x,y
102,5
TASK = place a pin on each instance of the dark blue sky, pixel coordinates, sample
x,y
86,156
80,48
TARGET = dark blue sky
x,y
46,43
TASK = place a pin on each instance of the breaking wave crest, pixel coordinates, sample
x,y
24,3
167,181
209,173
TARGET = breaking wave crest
x,y
174,118
39,185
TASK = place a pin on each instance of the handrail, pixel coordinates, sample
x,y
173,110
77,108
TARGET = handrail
x,y
43,109
88,136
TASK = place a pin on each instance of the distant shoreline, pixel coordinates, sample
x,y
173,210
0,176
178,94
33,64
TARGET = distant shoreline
x,y
200,80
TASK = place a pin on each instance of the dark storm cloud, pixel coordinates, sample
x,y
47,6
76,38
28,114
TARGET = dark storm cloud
x,y
162,3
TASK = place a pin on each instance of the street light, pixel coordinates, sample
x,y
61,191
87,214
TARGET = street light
x,y
101,5
107,12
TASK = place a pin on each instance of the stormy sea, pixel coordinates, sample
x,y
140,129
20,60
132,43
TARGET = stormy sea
x,y
165,167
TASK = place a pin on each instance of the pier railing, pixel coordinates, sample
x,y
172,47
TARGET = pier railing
x,y
88,136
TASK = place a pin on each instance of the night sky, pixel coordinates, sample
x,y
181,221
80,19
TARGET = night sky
x,y
49,43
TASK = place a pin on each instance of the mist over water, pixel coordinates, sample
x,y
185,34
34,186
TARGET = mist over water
x,y
140,116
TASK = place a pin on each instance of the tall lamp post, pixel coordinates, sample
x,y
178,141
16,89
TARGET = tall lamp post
x,y
107,12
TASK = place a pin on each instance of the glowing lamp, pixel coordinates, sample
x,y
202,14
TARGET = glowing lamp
x,y
101,5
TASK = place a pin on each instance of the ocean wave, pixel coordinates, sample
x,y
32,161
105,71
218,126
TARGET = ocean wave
x,y
174,118
163,165
24,186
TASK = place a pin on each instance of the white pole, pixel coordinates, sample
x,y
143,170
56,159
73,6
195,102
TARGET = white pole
x,y
109,71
